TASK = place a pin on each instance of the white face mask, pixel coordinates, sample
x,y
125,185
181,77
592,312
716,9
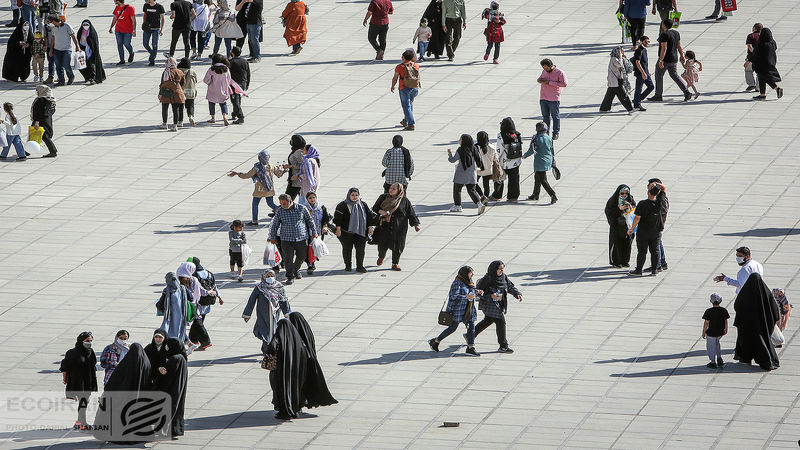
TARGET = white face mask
x,y
26,28
740,260
270,280
122,343
86,27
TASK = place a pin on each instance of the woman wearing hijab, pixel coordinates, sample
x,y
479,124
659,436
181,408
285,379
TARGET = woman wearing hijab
x,y
289,378
42,110
309,176
496,286
315,390
263,186
156,354
757,316
113,353
295,166
353,219
268,299
438,38
170,92
489,159
218,79
294,20
468,162
396,214
87,39
174,300
764,59
198,334
173,382
461,303
225,27
509,146
79,374
17,62
617,75
541,149
619,241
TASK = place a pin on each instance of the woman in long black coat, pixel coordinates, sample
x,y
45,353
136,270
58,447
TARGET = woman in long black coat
x,y
17,63
438,38
619,242
756,317
353,220
80,374
396,214
315,390
764,59
156,354
173,382
87,39
288,379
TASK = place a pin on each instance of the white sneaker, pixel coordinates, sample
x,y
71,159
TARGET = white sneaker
x,y
481,208
455,208
192,348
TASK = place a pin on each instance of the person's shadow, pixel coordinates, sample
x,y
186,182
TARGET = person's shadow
x,y
413,355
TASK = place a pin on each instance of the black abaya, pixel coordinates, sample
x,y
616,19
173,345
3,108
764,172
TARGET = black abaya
x,y
132,374
438,38
174,382
619,242
79,364
315,390
288,379
765,58
157,357
392,235
17,63
756,315
94,64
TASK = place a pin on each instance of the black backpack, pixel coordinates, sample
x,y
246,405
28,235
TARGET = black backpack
x,y
514,147
208,284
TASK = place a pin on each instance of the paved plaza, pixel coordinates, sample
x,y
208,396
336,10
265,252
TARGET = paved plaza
x,y
601,359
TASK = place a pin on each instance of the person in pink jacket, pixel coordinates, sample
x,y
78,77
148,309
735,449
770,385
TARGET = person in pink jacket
x,y
218,79
552,80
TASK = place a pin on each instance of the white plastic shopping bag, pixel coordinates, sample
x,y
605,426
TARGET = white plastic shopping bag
x,y
246,251
320,248
777,337
78,60
272,257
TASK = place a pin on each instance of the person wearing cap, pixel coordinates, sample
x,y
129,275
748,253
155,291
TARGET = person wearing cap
x,y
748,266
714,327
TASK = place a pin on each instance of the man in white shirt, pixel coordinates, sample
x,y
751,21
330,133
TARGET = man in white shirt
x,y
749,266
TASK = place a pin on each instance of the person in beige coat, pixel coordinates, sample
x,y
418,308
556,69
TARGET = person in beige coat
x,y
490,159
189,87
261,174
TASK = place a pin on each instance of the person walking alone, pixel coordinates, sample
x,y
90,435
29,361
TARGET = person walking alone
x,y
378,13
399,165
407,72
541,149
642,73
396,215
552,80
123,27
765,58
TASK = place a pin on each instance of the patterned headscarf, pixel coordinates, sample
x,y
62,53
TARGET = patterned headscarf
x,y
262,171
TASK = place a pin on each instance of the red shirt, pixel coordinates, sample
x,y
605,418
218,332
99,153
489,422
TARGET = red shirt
x,y
400,69
380,10
124,15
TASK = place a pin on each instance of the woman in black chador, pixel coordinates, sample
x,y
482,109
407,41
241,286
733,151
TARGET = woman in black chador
x,y
434,15
17,63
396,214
87,38
288,379
756,316
315,389
80,375
619,242
173,381
765,58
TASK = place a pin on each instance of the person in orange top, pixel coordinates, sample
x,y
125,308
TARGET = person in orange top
x,y
294,20
409,86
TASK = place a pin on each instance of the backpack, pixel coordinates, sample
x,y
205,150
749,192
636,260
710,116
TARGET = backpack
x,y
411,78
514,150
208,284
50,109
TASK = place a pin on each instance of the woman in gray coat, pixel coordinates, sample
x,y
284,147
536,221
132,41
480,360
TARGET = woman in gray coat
x,y
617,74
468,161
268,299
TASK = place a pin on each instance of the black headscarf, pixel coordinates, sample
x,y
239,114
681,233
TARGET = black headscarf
x,y
80,365
463,275
756,314
316,390
175,381
157,356
495,282
466,151
197,267
483,141
94,63
614,215
765,57
297,142
288,379
17,62
507,128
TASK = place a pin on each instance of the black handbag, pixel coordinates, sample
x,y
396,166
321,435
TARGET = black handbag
x,y
556,172
445,317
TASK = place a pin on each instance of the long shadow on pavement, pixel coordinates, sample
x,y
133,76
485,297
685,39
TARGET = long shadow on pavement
x,y
222,361
567,276
391,358
638,359
216,225
763,232
694,370
245,419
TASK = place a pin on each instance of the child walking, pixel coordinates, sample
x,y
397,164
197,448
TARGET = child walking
x,y
692,73
37,57
423,35
714,327
189,87
494,30
237,239
13,129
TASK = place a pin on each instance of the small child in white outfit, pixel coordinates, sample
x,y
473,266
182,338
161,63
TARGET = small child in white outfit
x,y
423,35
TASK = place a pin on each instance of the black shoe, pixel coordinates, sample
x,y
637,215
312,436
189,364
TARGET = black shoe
x,y
664,266
449,58
472,351
297,275
757,97
750,89
252,224
22,159
361,269
710,17
655,99
288,282
238,121
641,108
553,200
434,345
272,214
70,80
779,91
635,272
151,63
720,364
720,18
348,269
625,265
11,24
130,58
280,416
654,272
687,96
121,62
59,84
711,365
555,136
27,154
50,155
505,350
310,271
533,197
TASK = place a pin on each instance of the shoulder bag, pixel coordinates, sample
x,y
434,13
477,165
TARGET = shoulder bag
x,y
445,317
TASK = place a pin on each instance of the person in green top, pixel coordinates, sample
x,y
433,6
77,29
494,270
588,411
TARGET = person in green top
x,y
454,19
542,150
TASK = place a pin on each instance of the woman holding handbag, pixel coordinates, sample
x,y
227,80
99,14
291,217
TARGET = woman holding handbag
x,y
541,149
225,28
461,304
495,287
89,44
396,214
170,92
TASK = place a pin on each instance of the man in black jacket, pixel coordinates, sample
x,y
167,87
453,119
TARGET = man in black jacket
x,y
240,73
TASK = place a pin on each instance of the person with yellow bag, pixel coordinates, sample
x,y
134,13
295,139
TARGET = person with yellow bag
x,y
42,110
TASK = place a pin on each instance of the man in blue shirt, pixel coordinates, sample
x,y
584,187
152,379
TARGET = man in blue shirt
x,y
636,13
296,227
642,73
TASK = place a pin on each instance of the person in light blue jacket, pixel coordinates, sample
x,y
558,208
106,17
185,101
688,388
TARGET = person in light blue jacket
x,y
541,149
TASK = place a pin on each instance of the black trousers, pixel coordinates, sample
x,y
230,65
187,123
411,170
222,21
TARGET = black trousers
x,y
198,331
762,85
513,185
486,180
473,194
376,35
293,191
620,93
643,244
236,101
500,327
350,240
294,253
189,107
496,49
672,68
386,188
47,138
175,35
240,41
453,35
540,181
177,112
637,29
197,40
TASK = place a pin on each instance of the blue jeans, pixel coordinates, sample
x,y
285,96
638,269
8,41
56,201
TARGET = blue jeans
x,y
123,39
452,328
256,201
148,36
253,32
63,60
550,110
407,103
218,41
638,95
51,65
28,14
222,106
422,47
662,260
17,143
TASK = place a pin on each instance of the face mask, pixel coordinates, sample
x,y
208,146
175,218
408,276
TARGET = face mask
x,y
740,260
26,28
86,27
122,343
270,280
87,345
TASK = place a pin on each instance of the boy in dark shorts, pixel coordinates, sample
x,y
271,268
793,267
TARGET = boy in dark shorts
x,y
714,327
237,239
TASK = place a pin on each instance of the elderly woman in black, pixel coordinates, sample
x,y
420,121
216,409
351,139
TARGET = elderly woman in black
x,y
42,110
353,219
493,302
175,376
619,242
396,214
289,376
765,57
80,375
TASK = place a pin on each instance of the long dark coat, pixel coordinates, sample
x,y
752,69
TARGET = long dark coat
x,y
315,389
17,63
756,314
619,242
94,64
288,379
392,235
765,57
438,38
